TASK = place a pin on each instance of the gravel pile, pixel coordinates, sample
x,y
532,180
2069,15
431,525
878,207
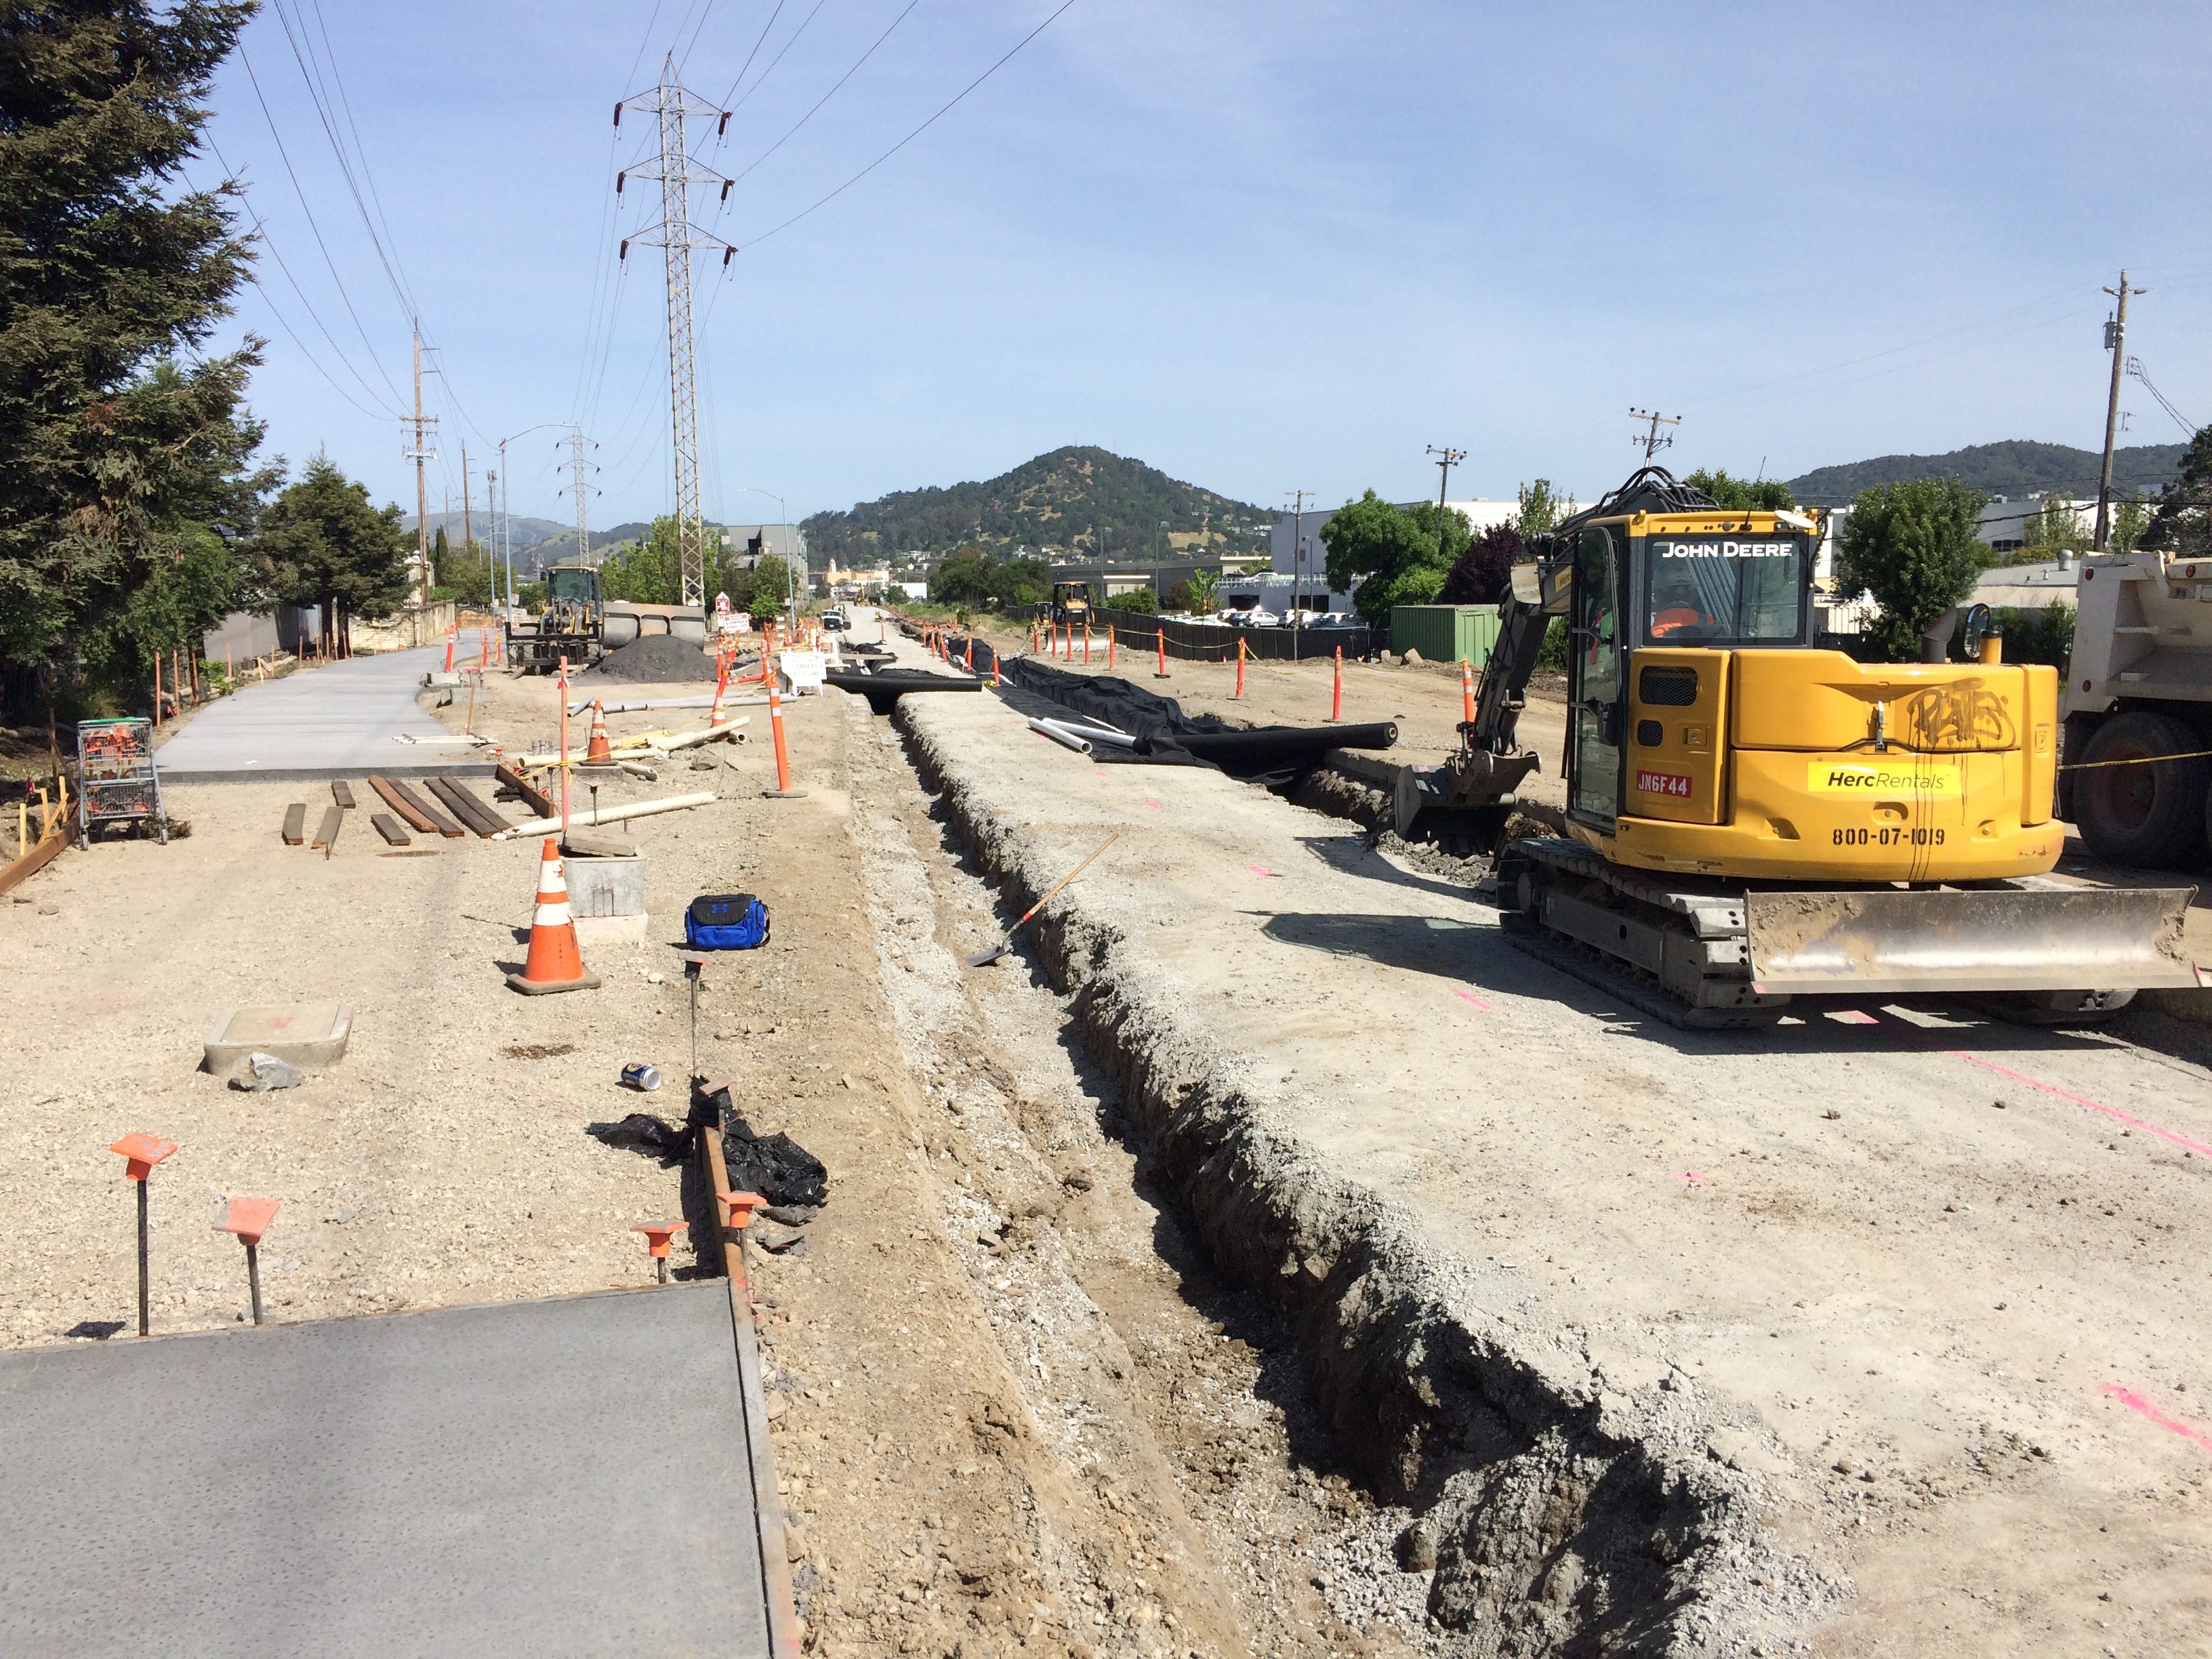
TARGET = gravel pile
x,y
660,658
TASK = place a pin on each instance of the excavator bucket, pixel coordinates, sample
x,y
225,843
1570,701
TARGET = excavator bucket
x,y
1895,940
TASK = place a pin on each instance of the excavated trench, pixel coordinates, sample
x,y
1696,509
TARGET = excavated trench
x,y
1558,1501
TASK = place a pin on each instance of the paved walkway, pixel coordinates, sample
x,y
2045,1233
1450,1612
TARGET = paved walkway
x,y
521,1480
336,721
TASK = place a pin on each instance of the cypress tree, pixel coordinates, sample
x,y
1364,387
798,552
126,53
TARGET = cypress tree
x,y
125,457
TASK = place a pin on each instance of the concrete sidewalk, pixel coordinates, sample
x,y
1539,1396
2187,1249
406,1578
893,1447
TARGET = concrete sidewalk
x,y
338,721
538,1478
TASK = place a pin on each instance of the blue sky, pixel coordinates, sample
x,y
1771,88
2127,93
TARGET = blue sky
x,y
1261,245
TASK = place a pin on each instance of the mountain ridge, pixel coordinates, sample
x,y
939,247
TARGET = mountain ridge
x,y
2013,468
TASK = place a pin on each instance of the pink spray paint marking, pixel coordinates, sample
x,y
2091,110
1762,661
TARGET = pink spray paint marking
x,y
2026,1081
2135,1402
1259,869
1690,1176
1469,996
1156,806
2112,1112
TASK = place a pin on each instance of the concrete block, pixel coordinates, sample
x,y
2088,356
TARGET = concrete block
x,y
605,887
306,1034
604,930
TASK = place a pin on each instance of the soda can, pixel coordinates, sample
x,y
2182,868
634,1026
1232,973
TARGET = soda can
x,y
641,1076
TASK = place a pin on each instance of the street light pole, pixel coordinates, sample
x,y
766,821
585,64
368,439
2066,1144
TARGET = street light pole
x,y
790,575
506,515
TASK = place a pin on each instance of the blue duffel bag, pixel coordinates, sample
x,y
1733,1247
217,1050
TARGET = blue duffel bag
x,y
726,921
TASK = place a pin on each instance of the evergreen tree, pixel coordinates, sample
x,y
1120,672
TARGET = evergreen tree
x,y
1911,545
125,461
2183,523
321,543
1742,495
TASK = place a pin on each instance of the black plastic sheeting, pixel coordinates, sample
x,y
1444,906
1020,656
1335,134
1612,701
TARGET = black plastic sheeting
x,y
886,686
1166,736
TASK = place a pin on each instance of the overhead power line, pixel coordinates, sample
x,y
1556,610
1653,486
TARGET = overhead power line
x,y
832,93
942,111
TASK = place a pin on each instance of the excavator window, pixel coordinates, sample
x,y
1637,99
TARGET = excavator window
x,y
1707,589
1594,769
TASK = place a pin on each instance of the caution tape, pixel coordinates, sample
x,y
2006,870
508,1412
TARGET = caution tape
x,y
2138,759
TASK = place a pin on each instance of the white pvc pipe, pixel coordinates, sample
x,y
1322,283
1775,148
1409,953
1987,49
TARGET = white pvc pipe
x,y
1060,735
644,809
1108,736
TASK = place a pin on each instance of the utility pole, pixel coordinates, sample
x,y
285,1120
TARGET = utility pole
x,y
580,470
1447,458
1652,442
676,235
468,534
1298,498
419,454
2116,342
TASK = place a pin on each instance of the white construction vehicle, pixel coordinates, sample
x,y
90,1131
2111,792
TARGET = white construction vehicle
x,y
2136,710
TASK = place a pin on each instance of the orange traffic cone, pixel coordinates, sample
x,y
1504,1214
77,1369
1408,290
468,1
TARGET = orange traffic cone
x,y
716,716
554,962
601,753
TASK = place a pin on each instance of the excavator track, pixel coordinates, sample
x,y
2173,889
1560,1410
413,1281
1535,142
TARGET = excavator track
x,y
1678,950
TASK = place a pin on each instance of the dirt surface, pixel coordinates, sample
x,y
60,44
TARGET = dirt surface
x,y
1891,1322
1014,1411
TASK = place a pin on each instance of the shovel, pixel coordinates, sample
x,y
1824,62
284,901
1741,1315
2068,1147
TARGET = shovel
x,y
994,952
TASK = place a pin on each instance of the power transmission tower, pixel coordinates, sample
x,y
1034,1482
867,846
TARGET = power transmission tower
x,y
580,479
2116,342
420,454
1446,460
676,235
1652,442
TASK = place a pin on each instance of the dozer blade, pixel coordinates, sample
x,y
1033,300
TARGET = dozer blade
x,y
1884,940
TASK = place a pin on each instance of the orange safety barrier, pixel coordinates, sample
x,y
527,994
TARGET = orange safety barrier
x,y
1336,688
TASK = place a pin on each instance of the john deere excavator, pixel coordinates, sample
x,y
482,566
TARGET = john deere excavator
x,y
1750,818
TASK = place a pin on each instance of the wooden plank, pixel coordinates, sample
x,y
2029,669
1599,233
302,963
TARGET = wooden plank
x,y
333,821
295,824
465,806
42,854
489,820
403,801
434,819
539,802
342,792
388,827
769,1518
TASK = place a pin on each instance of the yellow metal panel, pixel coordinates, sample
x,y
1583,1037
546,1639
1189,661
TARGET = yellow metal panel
x,y
1680,776
1780,827
1822,702
2036,806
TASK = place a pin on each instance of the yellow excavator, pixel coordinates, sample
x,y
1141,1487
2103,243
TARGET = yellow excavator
x,y
1752,819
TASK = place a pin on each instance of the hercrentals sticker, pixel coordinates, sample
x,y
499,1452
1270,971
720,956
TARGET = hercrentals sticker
x,y
1881,777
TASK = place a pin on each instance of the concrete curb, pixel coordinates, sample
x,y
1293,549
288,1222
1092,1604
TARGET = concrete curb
x,y
1498,1423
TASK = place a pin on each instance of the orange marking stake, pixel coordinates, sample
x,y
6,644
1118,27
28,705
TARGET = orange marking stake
x,y
600,753
1466,692
1240,665
1086,641
563,682
143,1152
1160,638
1336,691
1109,645
555,963
783,791
657,1236
249,1218
971,653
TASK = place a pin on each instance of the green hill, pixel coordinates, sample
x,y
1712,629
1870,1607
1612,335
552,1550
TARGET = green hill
x,y
1071,500
2014,469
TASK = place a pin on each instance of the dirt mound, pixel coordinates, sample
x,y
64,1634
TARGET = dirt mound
x,y
661,658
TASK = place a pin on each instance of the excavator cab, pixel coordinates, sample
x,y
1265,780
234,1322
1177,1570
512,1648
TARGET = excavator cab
x,y
1751,818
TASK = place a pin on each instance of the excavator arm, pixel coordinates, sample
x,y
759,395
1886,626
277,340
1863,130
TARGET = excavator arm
x,y
1468,799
